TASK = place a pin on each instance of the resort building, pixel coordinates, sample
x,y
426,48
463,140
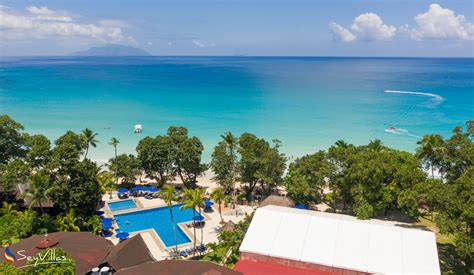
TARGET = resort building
x,y
311,242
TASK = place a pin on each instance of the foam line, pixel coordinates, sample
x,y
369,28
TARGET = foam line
x,y
435,96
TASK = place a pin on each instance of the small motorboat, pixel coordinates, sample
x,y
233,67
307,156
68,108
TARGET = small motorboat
x,y
138,129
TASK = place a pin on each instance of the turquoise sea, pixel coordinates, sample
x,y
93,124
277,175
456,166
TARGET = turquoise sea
x,y
307,103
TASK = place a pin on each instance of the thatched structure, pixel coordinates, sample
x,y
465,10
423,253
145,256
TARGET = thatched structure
x,y
230,225
278,201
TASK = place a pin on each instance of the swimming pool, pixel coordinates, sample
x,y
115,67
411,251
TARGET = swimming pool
x,y
158,219
121,205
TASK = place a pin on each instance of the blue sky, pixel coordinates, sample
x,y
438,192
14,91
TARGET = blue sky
x,y
202,27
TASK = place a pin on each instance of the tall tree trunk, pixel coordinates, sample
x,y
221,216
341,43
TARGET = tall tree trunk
x,y
87,151
41,207
174,228
432,171
202,230
220,211
194,228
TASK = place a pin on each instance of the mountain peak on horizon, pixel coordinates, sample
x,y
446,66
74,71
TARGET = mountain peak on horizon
x,y
113,50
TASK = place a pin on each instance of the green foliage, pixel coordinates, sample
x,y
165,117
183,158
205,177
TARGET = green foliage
x,y
193,199
224,162
155,155
14,172
126,167
90,139
186,155
229,240
12,141
66,154
80,191
306,178
218,196
39,151
69,221
39,190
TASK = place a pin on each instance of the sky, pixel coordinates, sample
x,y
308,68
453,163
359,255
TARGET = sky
x,y
246,27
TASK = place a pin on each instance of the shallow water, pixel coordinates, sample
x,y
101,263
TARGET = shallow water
x,y
307,103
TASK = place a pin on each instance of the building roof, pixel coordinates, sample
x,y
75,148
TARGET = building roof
x,y
87,249
278,201
129,253
341,241
179,267
263,268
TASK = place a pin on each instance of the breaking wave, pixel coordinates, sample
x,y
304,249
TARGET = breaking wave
x,y
436,97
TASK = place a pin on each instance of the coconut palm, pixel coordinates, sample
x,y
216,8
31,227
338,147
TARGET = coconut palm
x,y
90,138
39,190
105,182
218,196
68,222
114,142
231,143
169,195
431,149
8,208
193,199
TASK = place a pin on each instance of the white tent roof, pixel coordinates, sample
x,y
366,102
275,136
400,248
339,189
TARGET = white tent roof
x,y
342,241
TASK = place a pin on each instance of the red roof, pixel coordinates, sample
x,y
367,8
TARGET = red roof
x,y
264,268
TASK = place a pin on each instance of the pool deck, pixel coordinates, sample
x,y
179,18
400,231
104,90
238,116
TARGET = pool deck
x,y
154,243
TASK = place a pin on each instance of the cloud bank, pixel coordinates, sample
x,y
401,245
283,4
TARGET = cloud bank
x,y
42,22
439,23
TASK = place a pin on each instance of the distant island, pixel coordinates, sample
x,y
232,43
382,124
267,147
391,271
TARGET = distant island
x,y
113,50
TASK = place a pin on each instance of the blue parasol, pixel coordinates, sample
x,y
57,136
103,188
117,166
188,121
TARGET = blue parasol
x,y
123,190
153,189
137,188
106,224
100,213
209,204
301,206
122,235
198,218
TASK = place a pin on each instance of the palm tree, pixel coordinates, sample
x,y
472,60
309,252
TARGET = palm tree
x,y
90,139
431,151
39,190
8,208
375,145
68,222
218,196
192,199
105,182
168,195
114,142
231,143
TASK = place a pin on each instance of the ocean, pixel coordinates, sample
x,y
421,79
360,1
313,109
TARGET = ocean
x,y
307,103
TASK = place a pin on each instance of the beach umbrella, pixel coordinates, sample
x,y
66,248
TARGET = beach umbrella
x,y
198,218
106,219
100,213
123,190
209,204
122,235
301,206
137,188
153,189
106,224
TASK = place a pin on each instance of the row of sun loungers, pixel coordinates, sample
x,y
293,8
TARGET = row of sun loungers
x,y
188,252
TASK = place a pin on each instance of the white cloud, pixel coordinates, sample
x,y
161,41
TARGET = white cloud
x,y
370,27
41,22
43,13
442,24
199,44
203,45
113,23
340,33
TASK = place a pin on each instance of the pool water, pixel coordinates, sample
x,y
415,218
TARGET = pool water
x,y
121,205
158,219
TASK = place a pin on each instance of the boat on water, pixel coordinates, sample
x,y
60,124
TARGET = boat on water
x,y
138,129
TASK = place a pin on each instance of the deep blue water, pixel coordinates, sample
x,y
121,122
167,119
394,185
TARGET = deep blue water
x,y
158,219
307,103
